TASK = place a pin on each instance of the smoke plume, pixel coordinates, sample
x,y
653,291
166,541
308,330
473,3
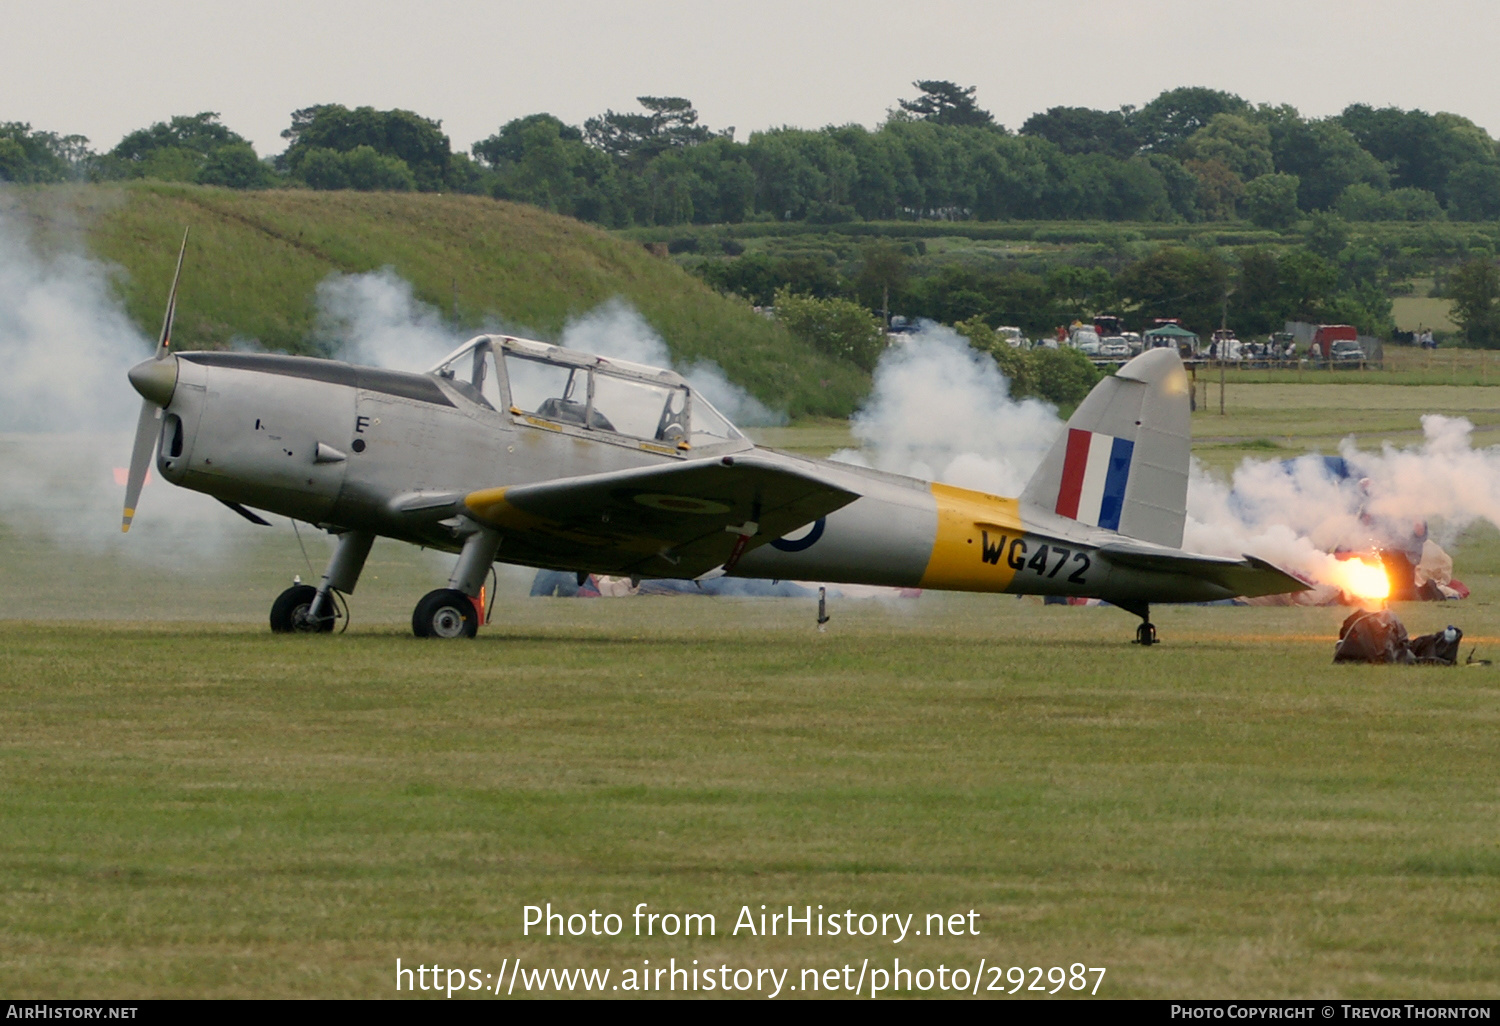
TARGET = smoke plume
x,y
1296,512
615,329
68,414
941,411
375,319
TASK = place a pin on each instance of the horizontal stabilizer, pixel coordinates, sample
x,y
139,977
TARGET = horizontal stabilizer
x,y
1248,575
671,520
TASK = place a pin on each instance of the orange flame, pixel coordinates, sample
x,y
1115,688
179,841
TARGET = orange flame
x,y
1361,579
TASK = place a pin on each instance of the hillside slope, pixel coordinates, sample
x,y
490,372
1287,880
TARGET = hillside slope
x,y
256,259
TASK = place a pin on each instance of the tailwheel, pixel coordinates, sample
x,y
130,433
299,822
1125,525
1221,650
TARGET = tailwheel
x,y
1145,634
445,613
290,613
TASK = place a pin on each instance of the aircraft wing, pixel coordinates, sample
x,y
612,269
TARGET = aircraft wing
x,y
1247,576
674,520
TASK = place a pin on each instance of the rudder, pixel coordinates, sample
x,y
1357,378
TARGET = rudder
x,y
1122,462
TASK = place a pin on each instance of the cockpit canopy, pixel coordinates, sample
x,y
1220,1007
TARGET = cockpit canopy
x,y
581,390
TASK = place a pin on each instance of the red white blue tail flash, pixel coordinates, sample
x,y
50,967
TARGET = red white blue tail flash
x,y
1095,473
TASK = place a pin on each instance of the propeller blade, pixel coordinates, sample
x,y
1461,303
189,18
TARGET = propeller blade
x,y
146,429
140,459
165,342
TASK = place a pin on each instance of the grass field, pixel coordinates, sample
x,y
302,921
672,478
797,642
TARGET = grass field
x,y
193,807
208,810
1402,365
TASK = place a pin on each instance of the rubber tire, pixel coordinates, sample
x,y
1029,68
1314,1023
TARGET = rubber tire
x,y
1145,634
445,613
289,612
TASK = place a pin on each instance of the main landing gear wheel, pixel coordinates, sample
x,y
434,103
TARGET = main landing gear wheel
x,y
445,613
1145,634
289,612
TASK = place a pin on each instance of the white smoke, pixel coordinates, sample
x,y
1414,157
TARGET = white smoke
x,y
68,415
615,329
1295,513
941,411
376,319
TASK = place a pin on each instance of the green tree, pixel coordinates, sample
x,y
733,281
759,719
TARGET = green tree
x,y
946,103
1175,281
508,145
1421,150
1475,290
1240,144
201,133
1164,123
1255,303
1304,283
670,122
1322,154
882,271
28,156
1064,376
415,141
1474,192
1084,130
181,150
235,166
362,168
1181,185
1219,188
1271,200
1327,234
1016,364
1361,202
835,327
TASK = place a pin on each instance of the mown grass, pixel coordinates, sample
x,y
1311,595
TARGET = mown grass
x,y
256,259
1295,418
1402,365
209,810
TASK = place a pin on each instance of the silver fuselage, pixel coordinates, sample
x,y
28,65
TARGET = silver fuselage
x,y
354,448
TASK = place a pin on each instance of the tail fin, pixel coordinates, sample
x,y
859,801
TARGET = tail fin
x,y
1122,463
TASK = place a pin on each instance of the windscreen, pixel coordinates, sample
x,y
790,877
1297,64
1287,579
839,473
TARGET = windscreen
x,y
709,425
639,409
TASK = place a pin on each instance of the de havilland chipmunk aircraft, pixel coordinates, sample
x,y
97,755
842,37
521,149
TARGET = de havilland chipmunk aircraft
x,y
534,454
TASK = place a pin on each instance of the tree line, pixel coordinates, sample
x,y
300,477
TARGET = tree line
x,y
1191,154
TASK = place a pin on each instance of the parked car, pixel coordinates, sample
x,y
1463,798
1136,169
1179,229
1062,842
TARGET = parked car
x,y
1346,353
1114,348
1328,335
1013,337
1085,340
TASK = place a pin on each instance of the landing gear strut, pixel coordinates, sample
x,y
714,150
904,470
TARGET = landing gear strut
x,y
1145,634
453,612
305,609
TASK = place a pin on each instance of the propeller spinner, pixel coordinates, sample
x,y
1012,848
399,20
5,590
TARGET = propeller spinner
x,y
155,379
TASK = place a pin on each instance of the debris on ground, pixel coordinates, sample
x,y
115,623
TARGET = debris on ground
x,y
1379,637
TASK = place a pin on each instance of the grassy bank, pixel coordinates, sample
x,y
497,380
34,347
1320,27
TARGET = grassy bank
x,y
256,259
